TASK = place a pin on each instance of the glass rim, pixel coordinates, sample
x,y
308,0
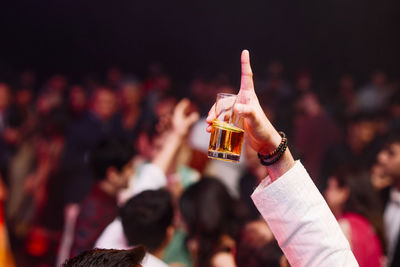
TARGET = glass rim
x,y
226,94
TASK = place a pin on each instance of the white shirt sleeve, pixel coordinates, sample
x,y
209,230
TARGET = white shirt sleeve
x,y
301,221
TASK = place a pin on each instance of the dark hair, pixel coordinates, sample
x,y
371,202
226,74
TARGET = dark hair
x,y
250,255
146,217
210,212
363,199
109,153
107,258
393,138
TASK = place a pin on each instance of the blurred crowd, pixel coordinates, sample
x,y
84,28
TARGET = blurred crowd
x,y
77,159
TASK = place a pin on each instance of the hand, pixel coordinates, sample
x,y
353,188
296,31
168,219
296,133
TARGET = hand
x,y
181,119
260,133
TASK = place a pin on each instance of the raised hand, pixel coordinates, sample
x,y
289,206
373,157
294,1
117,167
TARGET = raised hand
x,y
259,132
182,119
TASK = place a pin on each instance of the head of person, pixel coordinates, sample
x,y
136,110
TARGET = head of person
x,y
303,81
259,255
130,94
77,98
149,141
147,219
351,190
103,103
210,214
361,130
389,158
110,163
114,76
309,104
108,258
253,246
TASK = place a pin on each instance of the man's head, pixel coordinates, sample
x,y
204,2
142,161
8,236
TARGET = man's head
x,y
389,158
108,258
77,98
103,103
147,219
130,94
110,162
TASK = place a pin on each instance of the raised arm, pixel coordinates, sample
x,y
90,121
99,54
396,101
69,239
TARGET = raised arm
x,y
153,175
181,122
299,217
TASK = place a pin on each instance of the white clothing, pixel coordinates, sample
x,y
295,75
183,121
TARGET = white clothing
x,y
301,221
151,177
152,261
198,138
391,219
113,236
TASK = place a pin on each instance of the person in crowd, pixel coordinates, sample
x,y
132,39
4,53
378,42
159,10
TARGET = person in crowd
x,y
77,102
356,205
376,95
113,78
9,133
359,147
389,160
108,258
314,133
152,175
213,219
35,201
110,163
22,111
300,219
130,98
147,220
54,91
344,104
98,124
256,247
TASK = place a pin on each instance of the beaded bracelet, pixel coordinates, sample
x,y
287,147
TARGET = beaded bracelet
x,y
275,155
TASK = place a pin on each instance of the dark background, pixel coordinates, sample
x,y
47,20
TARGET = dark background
x,y
329,37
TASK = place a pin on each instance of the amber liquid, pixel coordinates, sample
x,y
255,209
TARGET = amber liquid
x,y
225,142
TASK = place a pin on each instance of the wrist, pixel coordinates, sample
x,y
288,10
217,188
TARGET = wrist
x,y
178,133
271,144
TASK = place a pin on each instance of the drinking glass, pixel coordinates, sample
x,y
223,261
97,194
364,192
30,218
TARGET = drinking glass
x,y
226,138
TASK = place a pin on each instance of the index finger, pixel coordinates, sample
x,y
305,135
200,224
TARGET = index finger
x,y
247,75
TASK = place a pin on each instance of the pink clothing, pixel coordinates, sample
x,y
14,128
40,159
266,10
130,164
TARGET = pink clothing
x,y
364,241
